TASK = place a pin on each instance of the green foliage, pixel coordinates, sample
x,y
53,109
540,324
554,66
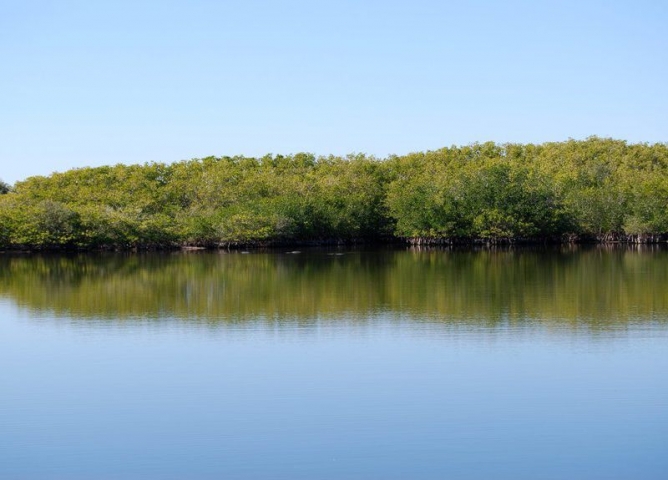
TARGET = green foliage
x,y
594,187
46,223
473,195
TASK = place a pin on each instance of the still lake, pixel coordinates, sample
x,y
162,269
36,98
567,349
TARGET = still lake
x,y
336,364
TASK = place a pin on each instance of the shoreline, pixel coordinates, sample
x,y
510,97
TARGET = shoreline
x,y
410,242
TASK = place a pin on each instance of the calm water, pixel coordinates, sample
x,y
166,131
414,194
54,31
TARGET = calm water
x,y
335,364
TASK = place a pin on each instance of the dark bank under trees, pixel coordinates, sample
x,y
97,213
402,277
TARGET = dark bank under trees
x,y
596,189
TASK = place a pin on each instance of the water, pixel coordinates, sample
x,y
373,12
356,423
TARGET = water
x,y
335,364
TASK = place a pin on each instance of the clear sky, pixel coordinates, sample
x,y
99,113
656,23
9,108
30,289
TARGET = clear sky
x,y
87,83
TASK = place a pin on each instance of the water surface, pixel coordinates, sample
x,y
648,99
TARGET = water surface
x,y
335,364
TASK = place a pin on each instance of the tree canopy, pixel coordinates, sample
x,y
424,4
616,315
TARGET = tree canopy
x,y
595,188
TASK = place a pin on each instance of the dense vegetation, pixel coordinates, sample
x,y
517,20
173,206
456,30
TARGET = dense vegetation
x,y
597,189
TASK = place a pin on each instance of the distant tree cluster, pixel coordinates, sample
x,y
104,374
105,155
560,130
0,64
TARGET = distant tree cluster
x,y
597,189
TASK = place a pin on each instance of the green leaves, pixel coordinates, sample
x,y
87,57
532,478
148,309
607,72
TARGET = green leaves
x,y
592,187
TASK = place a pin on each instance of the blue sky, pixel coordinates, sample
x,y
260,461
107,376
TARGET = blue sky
x,y
87,83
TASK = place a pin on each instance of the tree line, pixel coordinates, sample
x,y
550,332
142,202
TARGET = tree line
x,y
595,189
